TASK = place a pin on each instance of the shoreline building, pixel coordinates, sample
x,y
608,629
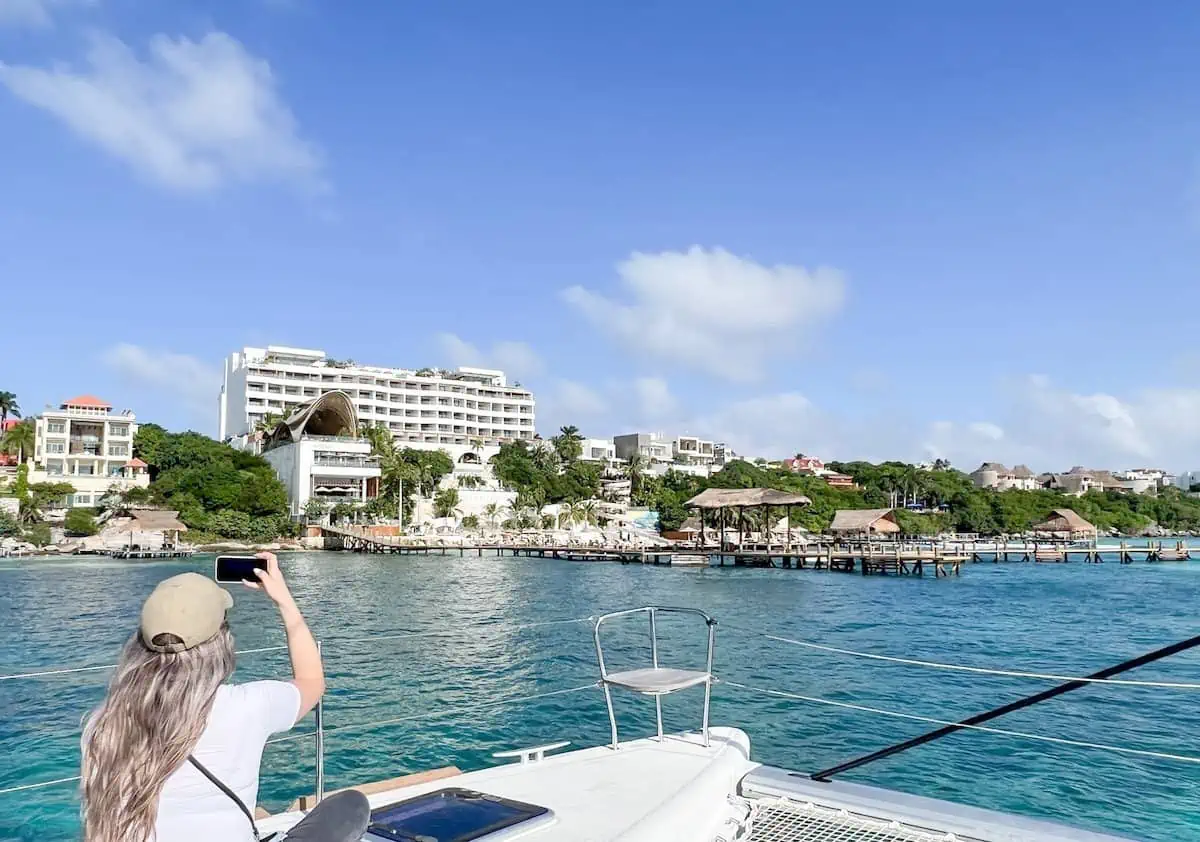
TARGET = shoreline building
x,y
468,412
999,478
317,453
688,454
421,406
812,466
82,442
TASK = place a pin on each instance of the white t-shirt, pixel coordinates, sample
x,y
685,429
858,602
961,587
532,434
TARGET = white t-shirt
x,y
192,808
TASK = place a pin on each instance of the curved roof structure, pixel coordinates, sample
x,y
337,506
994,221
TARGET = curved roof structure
x,y
332,414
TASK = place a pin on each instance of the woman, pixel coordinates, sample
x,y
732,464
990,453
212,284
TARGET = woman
x,y
173,752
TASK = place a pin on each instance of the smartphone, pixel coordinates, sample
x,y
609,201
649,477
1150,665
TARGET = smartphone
x,y
238,568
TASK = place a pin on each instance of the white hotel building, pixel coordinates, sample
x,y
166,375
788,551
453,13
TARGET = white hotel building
x,y
84,443
468,413
418,407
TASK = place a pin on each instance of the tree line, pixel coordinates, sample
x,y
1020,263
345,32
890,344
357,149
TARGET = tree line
x,y
932,501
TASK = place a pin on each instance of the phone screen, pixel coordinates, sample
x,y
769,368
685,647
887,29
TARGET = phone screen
x,y
238,568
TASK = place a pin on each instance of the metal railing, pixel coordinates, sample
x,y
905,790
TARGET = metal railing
x,y
653,611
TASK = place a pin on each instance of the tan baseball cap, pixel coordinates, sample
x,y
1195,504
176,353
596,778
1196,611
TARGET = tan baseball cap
x,y
190,606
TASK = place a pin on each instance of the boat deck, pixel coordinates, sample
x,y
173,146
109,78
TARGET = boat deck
x,y
679,790
601,795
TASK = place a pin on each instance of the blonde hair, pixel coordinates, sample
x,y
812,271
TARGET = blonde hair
x,y
155,711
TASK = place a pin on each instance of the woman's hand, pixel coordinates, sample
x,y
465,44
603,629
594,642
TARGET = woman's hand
x,y
271,581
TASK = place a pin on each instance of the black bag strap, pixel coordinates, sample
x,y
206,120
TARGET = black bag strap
x,y
232,796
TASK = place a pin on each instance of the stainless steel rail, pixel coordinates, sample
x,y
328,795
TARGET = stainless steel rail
x,y
656,681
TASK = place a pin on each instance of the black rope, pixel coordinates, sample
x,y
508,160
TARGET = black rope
x,y
980,718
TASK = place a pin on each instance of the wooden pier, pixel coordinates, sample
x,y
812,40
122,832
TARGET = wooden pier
x,y
1049,553
866,559
167,552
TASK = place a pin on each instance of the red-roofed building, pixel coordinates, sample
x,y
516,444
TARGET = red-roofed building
x,y
804,465
85,443
86,402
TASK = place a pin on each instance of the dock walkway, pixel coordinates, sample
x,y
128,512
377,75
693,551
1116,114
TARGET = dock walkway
x,y
168,552
867,559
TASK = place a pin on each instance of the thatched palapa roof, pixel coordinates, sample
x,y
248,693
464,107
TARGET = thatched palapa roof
x,y
864,521
725,498
154,520
1065,520
692,524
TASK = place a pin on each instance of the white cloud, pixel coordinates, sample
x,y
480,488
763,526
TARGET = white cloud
x,y
1052,428
192,116
34,13
575,402
654,397
185,378
516,359
712,310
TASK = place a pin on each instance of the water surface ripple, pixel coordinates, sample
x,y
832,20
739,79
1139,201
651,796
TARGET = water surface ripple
x,y
1068,619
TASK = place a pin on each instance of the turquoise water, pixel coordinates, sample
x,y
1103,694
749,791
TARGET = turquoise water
x,y
1065,618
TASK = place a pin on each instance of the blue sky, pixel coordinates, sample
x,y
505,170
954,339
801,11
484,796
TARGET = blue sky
x,y
857,230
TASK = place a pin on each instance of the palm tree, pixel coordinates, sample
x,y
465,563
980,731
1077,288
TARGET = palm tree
x,y
8,406
19,439
636,463
588,512
445,503
492,511
268,422
568,443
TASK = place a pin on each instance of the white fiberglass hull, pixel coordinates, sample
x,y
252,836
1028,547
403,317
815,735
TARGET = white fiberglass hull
x,y
678,790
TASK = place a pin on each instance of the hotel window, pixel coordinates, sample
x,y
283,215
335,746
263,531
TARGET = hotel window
x,y
118,430
118,450
55,447
56,426
83,500
54,467
114,470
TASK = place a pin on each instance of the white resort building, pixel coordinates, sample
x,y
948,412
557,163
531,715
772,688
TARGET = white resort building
x,y
661,454
995,476
468,413
424,406
317,454
82,442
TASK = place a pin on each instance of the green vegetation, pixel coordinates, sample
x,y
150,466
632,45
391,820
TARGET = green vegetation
x,y
445,503
416,471
470,522
948,500
216,490
8,406
268,422
540,475
80,522
314,510
8,525
568,444
38,535
18,441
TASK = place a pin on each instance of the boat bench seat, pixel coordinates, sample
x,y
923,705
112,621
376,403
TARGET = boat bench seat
x,y
657,681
